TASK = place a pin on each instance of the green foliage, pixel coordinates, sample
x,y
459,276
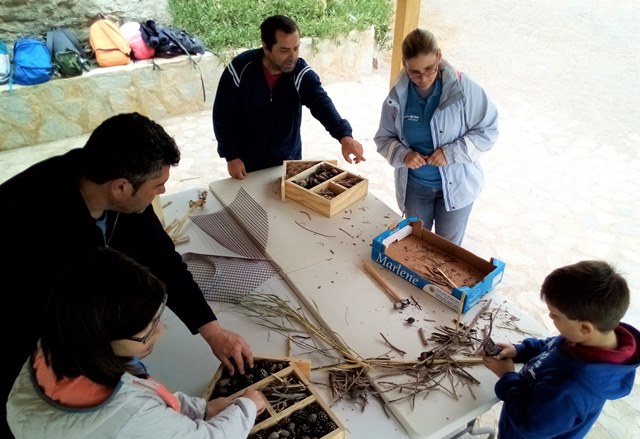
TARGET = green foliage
x,y
233,24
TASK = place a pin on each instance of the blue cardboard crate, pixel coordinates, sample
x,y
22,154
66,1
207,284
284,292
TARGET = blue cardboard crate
x,y
492,270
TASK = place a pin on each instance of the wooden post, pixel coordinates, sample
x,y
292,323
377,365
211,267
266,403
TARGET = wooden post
x,y
407,14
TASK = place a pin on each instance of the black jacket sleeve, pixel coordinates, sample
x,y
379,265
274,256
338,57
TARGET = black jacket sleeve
x,y
142,237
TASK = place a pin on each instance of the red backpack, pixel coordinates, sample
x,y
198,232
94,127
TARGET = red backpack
x,y
108,43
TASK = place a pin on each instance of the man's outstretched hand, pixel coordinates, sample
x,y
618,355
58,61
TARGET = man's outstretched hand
x,y
350,147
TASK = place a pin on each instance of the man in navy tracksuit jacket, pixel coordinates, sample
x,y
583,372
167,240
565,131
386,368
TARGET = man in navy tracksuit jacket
x,y
258,106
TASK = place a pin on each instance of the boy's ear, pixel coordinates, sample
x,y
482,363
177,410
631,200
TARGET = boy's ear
x,y
586,328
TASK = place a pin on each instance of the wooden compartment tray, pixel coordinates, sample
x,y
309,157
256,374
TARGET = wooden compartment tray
x,y
293,403
321,185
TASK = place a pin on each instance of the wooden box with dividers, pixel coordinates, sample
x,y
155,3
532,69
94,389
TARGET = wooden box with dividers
x,y
321,185
294,405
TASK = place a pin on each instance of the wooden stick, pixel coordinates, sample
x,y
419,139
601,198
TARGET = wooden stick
x,y
383,283
398,350
423,337
171,226
449,281
176,232
180,239
460,306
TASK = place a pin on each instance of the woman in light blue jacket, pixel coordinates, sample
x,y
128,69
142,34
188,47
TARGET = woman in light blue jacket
x,y
435,125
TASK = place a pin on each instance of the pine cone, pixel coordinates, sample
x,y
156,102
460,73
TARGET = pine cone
x,y
323,417
300,417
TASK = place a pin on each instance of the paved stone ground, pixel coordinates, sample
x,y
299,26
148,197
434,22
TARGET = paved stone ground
x,y
562,181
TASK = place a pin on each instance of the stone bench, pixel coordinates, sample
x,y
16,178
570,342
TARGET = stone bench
x,y
68,107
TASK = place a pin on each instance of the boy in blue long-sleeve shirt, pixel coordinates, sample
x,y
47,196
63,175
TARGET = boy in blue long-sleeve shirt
x,y
566,380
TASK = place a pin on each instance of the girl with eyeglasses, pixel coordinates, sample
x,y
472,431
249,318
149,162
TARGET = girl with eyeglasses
x,y
85,379
435,125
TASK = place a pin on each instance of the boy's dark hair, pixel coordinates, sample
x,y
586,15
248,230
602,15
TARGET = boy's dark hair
x,y
589,290
275,23
103,296
130,146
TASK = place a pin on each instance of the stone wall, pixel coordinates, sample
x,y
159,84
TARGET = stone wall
x,y
36,17
62,108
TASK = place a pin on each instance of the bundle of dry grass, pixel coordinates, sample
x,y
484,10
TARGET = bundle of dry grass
x,y
354,378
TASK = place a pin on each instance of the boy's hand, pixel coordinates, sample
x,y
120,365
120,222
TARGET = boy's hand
x,y
499,367
507,351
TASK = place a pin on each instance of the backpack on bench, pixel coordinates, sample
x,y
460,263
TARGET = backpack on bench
x,y
5,63
31,62
69,58
109,45
170,41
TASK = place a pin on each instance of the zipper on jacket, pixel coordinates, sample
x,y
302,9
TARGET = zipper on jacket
x,y
113,229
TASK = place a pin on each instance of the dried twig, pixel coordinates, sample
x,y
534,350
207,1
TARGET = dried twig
x,y
423,337
449,281
306,213
398,350
343,230
314,232
352,377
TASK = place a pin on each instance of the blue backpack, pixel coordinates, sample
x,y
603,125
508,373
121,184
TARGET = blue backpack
x,y
31,62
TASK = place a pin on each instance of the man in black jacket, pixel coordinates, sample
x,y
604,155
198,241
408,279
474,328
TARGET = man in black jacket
x,y
94,196
257,111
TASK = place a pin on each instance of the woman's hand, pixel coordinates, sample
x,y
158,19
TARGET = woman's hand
x,y
415,160
436,158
